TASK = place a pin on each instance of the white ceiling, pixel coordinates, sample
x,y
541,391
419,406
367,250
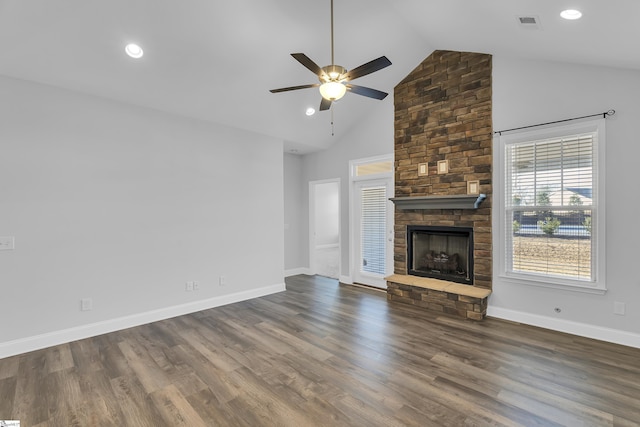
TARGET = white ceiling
x,y
216,60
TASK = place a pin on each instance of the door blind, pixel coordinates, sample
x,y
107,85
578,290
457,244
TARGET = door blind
x,y
373,232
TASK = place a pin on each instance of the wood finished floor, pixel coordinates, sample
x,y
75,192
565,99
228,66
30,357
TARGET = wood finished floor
x,y
323,354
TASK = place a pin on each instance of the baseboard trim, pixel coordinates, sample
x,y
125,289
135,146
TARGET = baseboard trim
x,y
37,342
347,280
296,271
600,333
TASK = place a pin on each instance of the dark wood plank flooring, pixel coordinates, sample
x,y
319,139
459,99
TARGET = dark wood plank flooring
x,y
324,354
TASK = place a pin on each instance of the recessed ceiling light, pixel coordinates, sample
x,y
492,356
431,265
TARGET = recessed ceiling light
x,y
134,51
310,111
571,14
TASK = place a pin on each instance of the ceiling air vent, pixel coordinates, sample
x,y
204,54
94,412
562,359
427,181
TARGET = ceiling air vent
x,y
530,22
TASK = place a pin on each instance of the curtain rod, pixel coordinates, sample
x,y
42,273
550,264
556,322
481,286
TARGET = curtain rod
x,y
604,116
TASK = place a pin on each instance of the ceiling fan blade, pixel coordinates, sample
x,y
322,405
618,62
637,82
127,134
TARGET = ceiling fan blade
x,y
366,91
307,62
325,104
368,68
287,89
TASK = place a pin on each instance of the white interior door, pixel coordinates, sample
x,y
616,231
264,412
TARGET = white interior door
x,y
373,224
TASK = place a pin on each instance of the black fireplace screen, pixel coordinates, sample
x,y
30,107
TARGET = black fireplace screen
x,y
441,252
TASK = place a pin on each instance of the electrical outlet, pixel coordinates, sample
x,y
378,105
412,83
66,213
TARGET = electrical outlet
x,y
196,285
223,281
7,243
188,286
86,304
619,308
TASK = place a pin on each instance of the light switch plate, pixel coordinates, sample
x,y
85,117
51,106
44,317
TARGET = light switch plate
x,y
86,304
7,243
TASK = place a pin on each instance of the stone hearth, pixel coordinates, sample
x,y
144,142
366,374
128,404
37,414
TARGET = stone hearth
x,y
465,301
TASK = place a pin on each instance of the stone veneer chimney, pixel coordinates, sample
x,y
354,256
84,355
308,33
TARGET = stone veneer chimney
x,y
443,112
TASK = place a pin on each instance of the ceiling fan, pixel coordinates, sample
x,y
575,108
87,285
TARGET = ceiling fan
x,y
334,79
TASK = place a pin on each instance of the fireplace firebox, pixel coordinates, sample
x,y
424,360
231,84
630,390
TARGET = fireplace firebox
x,y
440,252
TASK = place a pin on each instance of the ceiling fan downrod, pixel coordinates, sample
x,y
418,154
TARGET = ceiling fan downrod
x,y
332,60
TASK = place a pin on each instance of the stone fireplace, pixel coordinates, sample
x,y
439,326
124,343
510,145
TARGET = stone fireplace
x,y
443,152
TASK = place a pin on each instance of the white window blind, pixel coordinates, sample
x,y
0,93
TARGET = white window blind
x,y
550,201
373,232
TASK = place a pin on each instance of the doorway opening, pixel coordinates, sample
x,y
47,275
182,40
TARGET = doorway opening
x,y
324,228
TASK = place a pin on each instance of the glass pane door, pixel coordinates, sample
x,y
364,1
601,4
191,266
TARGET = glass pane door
x,y
373,229
373,232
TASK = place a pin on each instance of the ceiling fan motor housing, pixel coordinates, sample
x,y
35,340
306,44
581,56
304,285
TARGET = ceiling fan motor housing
x,y
332,73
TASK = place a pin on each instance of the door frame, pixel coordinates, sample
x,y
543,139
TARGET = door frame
x,y
353,180
312,223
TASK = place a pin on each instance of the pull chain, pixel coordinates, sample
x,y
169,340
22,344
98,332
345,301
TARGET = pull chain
x,y
332,129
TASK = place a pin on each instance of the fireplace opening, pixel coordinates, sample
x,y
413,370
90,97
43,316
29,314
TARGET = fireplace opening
x,y
441,252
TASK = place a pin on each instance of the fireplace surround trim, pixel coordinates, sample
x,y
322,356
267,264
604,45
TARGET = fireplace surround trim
x,y
466,233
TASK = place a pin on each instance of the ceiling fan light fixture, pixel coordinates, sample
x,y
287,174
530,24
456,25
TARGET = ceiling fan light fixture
x,y
332,91
335,79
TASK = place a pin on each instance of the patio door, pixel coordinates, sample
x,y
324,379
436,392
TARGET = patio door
x,y
373,225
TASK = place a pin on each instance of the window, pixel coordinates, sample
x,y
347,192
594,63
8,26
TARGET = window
x,y
374,168
552,212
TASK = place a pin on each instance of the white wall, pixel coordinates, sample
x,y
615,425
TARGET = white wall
x,y
124,205
527,93
296,252
372,137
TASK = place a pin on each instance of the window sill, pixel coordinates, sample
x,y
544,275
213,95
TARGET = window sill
x,y
550,283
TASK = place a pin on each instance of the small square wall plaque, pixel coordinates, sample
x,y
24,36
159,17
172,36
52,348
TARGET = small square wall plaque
x,y
443,166
473,187
423,169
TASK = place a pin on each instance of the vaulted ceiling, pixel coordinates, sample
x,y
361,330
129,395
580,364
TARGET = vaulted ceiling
x,y
216,60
